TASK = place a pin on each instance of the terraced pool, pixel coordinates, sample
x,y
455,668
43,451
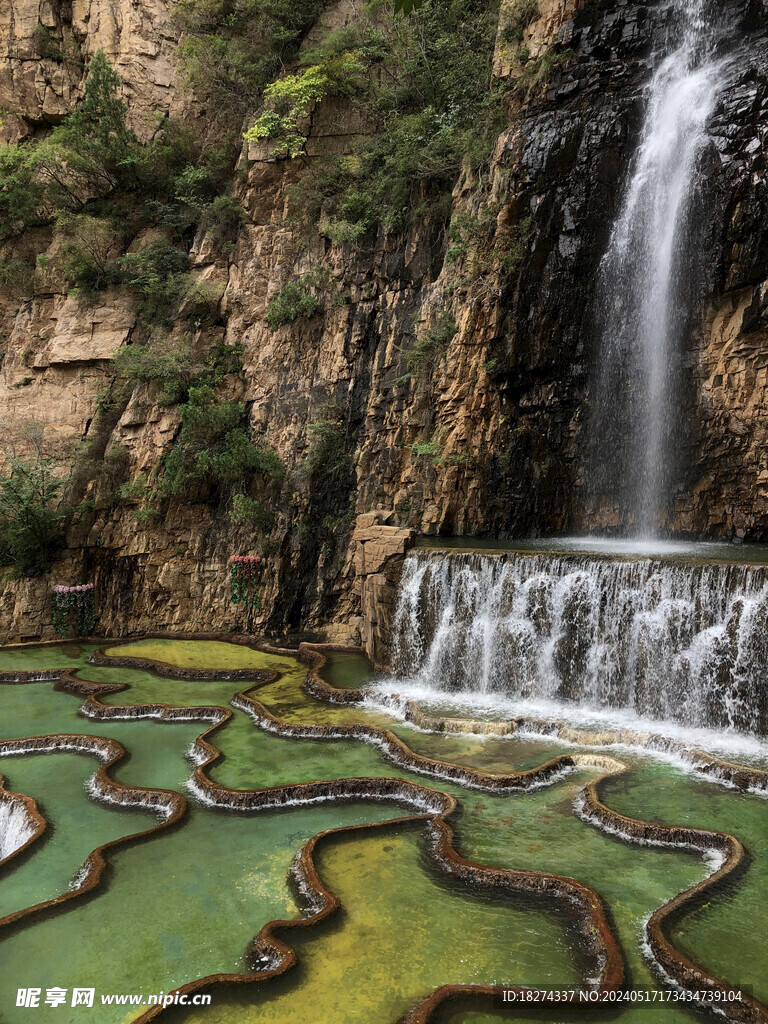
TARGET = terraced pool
x,y
449,866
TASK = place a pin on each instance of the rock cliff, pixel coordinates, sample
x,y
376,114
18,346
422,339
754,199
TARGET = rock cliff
x,y
485,436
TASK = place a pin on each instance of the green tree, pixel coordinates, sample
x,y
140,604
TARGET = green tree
x,y
232,49
92,151
84,158
21,195
90,252
99,121
32,518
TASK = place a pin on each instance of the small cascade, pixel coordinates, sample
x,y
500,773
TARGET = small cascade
x,y
676,641
16,826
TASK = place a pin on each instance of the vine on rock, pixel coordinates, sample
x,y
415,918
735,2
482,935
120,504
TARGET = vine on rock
x,y
245,572
79,600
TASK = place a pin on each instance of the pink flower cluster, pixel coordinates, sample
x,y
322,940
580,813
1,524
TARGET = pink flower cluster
x,y
82,589
246,559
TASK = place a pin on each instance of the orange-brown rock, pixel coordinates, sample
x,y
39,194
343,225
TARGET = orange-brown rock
x,y
487,441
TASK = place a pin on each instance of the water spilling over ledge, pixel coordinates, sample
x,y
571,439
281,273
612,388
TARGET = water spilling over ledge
x,y
17,825
616,547
683,642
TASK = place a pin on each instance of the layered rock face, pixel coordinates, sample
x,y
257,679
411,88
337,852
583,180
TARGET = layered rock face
x,y
490,440
43,47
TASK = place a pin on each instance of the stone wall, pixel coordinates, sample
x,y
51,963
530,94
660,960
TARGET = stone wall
x,y
377,550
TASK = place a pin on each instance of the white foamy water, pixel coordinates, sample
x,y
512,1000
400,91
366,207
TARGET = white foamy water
x,y
676,647
16,827
646,273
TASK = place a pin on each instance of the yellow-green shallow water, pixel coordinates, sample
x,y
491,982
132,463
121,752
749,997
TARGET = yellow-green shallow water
x,y
196,654
186,902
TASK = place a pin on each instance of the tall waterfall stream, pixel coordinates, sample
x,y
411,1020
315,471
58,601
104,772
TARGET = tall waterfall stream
x,y
679,643
646,286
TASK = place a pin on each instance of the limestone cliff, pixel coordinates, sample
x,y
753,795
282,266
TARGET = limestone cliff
x,y
484,439
44,45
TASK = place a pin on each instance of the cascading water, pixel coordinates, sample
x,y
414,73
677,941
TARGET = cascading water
x,y
685,642
647,276
16,827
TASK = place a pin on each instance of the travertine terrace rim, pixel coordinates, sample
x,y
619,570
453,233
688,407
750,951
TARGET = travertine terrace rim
x,y
34,816
590,911
430,805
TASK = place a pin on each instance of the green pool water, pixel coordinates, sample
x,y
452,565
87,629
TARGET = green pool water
x,y
347,670
62,656
178,907
199,654
722,931
360,967
196,895
77,826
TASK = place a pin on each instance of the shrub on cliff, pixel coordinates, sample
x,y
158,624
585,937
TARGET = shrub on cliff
x,y
537,72
158,274
93,259
431,344
176,367
171,367
232,49
429,104
247,511
16,275
327,454
480,247
214,448
293,302
515,18
32,518
90,252
290,100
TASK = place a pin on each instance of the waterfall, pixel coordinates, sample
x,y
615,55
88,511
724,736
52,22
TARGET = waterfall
x,y
685,642
16,826
648,273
